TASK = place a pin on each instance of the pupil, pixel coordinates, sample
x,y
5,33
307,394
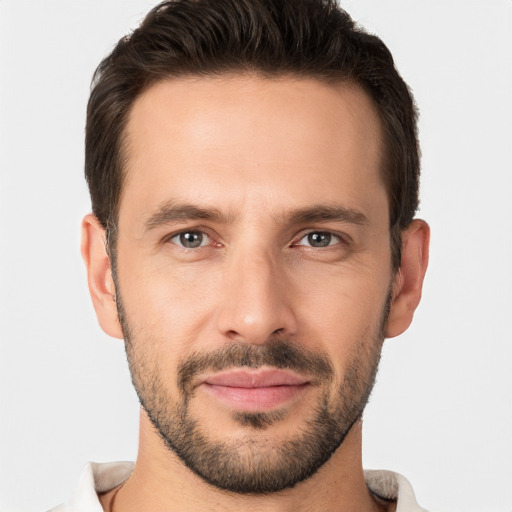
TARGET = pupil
x,y
319,239
191,239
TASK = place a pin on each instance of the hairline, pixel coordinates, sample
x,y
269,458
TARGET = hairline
x,y
330,78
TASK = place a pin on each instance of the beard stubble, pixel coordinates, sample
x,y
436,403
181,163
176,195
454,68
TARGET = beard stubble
x,y
250,465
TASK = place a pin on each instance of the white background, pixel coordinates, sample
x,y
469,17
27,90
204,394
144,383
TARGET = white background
x,y
441,412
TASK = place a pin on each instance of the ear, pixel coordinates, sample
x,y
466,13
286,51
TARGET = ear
x,y
99,275
408,281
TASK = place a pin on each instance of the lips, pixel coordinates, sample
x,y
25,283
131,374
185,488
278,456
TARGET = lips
x,y
255,390
256,378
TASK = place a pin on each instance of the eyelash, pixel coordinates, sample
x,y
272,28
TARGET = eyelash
x,y
340,239
201,232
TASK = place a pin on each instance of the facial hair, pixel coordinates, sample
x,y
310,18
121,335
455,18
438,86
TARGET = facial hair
x,y
252,465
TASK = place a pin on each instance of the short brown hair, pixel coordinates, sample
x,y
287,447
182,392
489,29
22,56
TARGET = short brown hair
x,y
304,38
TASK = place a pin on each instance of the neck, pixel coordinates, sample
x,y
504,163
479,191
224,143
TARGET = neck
x,y
160,481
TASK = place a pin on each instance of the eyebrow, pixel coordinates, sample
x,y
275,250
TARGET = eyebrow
x,y
178,212
326,213
175,212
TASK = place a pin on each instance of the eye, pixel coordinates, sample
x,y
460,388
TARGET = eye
x,y
319,239
190,239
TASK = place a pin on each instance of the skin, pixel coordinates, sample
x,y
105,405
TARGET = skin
x,y
256,150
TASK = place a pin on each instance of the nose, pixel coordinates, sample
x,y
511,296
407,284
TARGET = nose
x,y
256,300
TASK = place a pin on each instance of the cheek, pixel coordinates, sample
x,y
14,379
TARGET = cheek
x,y
342,309
336,305
168,303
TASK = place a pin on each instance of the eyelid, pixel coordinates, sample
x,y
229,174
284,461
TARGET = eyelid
x,y
342,237
169,237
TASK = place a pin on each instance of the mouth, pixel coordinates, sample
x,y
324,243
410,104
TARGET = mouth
x,y
255,390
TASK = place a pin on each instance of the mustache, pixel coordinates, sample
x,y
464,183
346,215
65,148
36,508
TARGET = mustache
x,y
279,353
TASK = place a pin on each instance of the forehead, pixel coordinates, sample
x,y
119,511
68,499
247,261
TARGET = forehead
x,y
253,139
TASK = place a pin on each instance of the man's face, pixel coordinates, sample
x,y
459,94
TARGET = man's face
x,y
253,271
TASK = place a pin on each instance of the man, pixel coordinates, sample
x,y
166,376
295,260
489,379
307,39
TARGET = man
x,y
253,169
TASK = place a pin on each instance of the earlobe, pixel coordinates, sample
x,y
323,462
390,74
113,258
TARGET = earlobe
x,y
99,275
408,282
